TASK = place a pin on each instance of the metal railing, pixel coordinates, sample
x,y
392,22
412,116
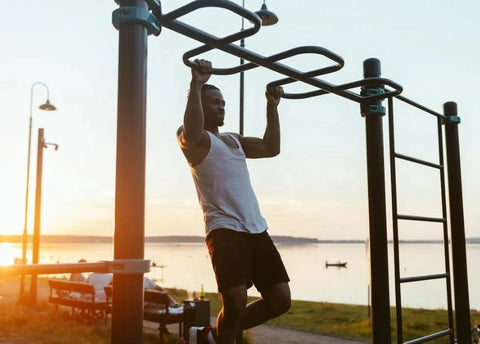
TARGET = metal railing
x,y
119,266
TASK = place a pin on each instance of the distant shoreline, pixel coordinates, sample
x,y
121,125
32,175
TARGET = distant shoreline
x,y
189,239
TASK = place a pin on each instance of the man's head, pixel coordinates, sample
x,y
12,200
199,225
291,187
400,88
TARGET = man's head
x,y
213,106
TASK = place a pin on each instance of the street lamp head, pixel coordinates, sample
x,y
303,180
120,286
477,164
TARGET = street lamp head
x,y
46,144
267,17
47,106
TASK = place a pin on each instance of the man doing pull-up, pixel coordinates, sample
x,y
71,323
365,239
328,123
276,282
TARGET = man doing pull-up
x,y
241,251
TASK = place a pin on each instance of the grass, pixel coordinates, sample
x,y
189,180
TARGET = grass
x,y
352,321
19,324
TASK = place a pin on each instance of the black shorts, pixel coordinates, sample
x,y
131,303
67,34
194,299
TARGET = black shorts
x,y
245,259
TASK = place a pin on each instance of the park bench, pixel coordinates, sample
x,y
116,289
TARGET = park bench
x,y
156,310
77,295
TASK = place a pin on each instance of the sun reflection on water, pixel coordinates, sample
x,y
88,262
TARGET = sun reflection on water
x,y
9,252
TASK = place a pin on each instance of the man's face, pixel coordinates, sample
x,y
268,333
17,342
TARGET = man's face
x,y
213,107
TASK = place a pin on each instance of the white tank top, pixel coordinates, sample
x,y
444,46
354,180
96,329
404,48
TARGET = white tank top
x,y
224,189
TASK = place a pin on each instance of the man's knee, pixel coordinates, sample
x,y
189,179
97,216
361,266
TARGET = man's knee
x,y
234,310
282,304
234,301
278,298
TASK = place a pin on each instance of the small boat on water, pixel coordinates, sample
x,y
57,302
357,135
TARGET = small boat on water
x,y
153,264
338,264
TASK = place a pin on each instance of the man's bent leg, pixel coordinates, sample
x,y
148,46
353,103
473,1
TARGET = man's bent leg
x,y
229,319
275,301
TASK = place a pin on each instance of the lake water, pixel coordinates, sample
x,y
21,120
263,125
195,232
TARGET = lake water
x,y
187,266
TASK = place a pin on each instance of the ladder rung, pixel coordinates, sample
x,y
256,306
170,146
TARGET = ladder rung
x,y
418,161
421,218
430,337
422,278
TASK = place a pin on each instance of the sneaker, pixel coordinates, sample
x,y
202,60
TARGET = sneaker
x,y
201,335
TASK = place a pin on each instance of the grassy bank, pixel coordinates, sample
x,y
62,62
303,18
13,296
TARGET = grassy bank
x,y
352,321
19,324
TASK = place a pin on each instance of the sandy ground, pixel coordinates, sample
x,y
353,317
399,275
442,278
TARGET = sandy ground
x,y
263,334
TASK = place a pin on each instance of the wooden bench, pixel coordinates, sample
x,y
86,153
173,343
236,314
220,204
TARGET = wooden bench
x,y
156,310
77,295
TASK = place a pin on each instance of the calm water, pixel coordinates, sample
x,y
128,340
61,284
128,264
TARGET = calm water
x,y
187,266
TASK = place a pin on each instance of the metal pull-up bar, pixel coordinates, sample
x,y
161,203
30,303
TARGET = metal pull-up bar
x,y
170,20
155,20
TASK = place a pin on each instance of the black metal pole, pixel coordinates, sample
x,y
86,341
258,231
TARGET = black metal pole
x,y
459,254
38,213
242,93
127,312
242,83
377,211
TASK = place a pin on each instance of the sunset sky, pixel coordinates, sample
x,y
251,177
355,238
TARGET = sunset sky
x,y
315,188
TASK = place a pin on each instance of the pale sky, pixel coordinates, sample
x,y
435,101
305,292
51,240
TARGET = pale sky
x,y
315,188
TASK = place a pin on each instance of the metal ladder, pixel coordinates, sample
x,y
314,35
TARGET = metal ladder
x,y
399,280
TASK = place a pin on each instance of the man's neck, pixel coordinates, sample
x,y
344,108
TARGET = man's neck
x,y
213,130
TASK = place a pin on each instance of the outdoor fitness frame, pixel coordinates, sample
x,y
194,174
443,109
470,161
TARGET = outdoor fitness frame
x,y
135,20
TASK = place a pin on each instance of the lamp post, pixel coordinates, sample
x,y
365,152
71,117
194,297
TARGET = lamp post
x,y
38,206
46,107
268,18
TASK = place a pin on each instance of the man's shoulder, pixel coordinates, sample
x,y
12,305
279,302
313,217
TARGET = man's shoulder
x,y
194,153
179,130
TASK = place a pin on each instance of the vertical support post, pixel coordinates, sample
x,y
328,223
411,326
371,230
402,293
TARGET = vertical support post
x,y
459,255
242,94
373,113
242,83
38,212
127,312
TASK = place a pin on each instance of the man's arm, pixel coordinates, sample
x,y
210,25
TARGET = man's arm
x,y
190,134
269,145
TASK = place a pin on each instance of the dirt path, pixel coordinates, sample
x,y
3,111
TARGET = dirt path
x,y
265,334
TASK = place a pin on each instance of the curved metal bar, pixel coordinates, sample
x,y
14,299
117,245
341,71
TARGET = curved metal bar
x,y
195,5
280,56
397,89
253,57
213,42
250,16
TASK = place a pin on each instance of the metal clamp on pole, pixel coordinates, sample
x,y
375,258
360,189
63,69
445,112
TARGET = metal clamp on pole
x,y
372,109
371,68
128,266
139,15
451,119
